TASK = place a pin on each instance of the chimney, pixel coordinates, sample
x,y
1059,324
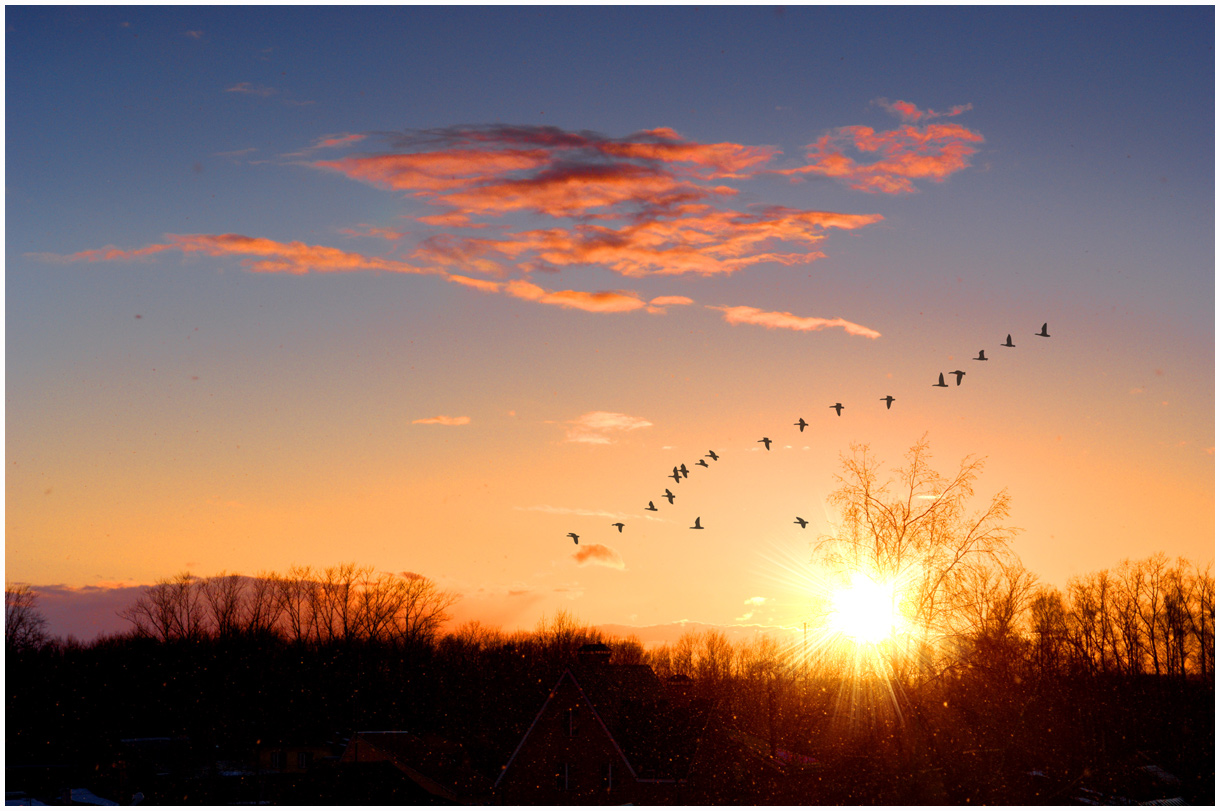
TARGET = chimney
x,y
593,654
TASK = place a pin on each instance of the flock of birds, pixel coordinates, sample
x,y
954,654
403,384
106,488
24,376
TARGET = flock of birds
x,y
681,472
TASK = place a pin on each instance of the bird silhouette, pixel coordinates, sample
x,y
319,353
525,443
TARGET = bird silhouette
x,y
1009,341
800,423
669,495
1043,333
619,524
960,374
942,382
651,507
711,455
889,400
701,462
685,473
838,407
575,538
981,356
697,525
766,441
676,476
800,521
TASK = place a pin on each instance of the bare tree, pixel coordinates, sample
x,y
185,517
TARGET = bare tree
x,y
261,610
916,530
1048,621
425,608
171,608
295,600
1203,618
223,594
1125,616
24,624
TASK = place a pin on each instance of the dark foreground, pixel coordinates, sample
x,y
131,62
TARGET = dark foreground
x,y
257,719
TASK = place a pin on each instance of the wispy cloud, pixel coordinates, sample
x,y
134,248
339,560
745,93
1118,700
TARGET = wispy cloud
x,y
786,320
546,508
442,420
596,554
907,111
194,34
251,89
372,231
601,427
756,601
277,257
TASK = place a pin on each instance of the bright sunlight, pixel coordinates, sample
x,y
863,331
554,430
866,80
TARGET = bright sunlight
x,y
865,610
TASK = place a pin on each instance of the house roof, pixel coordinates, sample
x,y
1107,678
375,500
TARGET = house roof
x,y
439,765
657,739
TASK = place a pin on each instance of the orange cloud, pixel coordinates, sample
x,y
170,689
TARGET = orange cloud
x,y
435,171
909,153
281,257
338,140
694,239
604,301
785,320
598,555
442,420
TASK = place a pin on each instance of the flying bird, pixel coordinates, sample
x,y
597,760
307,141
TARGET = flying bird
x,y
619,525
669,495
1043,333
701,462
1009,341
981,356
942,382
711,455
697,525
838,407
575,538
800,521
766,441
676,476
960,374
651,507
684,471
889,400
800,423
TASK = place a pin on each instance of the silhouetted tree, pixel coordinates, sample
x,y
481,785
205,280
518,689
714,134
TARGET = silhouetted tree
x,y
24,624
917,530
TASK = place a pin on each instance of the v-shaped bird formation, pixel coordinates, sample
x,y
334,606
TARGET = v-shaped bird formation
x,y
680,472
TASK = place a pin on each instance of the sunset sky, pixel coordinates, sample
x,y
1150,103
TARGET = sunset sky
x,y
428,289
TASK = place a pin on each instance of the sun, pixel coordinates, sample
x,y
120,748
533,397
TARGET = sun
x,y
865,610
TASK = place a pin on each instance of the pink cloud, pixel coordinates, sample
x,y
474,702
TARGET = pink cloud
x,y
785,320
280,257
909,153
598,555
442,420
372,231
909,112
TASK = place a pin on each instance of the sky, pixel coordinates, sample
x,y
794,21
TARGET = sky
x,y
428,289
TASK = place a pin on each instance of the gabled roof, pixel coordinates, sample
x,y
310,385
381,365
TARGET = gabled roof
x,y
656,739
439,766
